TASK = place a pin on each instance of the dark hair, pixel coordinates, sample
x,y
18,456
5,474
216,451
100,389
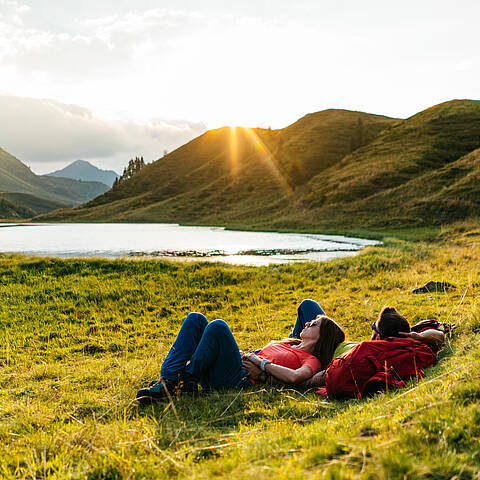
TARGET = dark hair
x,y
390,323
330,336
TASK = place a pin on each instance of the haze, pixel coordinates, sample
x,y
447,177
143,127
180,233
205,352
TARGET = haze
x,y
105,81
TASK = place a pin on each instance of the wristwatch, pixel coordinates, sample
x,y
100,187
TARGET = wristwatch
x,y
264,363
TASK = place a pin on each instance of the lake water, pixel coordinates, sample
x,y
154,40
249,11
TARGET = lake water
x,y
173,241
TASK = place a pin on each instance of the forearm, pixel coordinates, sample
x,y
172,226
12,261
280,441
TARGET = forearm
x,y
432,338
288,375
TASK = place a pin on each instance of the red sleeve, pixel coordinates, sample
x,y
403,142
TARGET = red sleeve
x,y
313,363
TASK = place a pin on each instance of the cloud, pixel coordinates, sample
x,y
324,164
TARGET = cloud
x,y
104,46
45,133
243,63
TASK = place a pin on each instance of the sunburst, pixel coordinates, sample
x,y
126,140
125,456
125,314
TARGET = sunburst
x,y
234,152
273,164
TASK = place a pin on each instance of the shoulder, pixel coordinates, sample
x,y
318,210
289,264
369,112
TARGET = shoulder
x,y
307,357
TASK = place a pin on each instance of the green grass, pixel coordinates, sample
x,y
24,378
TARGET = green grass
x,y
79,337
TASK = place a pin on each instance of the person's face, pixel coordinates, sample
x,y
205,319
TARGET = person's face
x,y
311,330
375,332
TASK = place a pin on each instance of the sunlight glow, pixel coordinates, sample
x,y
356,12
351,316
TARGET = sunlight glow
x,y
234,152
273,164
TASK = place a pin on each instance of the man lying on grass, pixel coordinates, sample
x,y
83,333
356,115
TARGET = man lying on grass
x,y
207,353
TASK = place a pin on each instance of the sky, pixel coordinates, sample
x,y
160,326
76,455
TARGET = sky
x,y
108,80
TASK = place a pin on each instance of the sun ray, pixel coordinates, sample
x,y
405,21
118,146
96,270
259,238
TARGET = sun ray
x,y
272,163
234,152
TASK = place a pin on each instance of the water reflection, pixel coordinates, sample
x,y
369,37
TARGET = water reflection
x,y
174,241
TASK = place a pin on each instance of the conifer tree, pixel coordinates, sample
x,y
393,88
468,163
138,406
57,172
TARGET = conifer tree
x,y
133,167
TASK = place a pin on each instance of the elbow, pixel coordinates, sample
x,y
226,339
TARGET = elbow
x,y
439,340
290,378
297,378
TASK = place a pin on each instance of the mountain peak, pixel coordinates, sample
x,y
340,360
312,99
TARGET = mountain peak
x,y
82,162
83,170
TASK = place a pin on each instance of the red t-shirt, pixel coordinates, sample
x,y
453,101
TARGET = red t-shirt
x,y
287,356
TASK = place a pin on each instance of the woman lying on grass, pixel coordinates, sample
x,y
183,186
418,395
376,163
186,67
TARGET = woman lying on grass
x,y
207,353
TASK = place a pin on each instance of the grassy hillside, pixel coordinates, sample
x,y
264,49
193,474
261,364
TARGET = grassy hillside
x,y
29,205
330,170
17,177
236,173
12,210
79,337
427,141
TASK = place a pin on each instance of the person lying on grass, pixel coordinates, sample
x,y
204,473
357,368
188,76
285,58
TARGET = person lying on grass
x,y
390,323
207,353
218,367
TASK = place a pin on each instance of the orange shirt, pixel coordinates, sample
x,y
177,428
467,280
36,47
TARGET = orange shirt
x,y
288,356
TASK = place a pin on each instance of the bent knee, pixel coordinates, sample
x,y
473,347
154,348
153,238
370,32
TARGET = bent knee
x,y
218,325
308,303
196,318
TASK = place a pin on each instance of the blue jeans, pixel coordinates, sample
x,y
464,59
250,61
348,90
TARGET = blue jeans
x,y
307,311
206,353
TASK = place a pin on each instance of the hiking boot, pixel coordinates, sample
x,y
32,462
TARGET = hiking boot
x,y
163,389
188,383
188,386
158,390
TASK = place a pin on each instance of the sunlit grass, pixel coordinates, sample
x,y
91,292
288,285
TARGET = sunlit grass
x,y
79,337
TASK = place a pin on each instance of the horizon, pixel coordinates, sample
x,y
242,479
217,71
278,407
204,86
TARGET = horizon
x,y
111,81
120,168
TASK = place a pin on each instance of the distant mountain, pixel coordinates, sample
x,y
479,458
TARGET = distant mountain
x,y
329,170
82,170
17,177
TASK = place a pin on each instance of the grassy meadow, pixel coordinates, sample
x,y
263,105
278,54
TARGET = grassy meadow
x,y
79,337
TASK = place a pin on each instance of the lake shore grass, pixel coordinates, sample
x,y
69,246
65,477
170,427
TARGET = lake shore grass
x,y
80,336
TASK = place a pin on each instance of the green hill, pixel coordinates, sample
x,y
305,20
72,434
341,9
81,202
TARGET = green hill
x,y
17,177
328,170
11,210
414,173
27,206
235,174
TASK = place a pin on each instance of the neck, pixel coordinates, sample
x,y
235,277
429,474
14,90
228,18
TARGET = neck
x,y
307,345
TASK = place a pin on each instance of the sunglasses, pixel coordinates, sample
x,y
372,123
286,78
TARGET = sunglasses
x,y
374,328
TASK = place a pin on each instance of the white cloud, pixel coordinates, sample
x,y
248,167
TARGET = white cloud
x,y
47,133
255,62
